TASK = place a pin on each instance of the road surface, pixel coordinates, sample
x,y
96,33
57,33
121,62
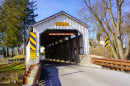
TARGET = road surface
x,y
63,74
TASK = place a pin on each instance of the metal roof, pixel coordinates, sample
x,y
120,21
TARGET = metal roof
x,y
59,13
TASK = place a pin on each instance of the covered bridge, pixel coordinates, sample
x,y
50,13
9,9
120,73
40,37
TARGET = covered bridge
x,y
63,36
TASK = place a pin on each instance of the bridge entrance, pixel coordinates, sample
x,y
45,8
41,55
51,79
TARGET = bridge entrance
x,y
63,36
62,44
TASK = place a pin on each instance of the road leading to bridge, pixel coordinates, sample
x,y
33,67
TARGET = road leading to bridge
x,y
62,74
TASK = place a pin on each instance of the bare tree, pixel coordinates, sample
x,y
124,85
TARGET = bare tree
x,y
111,24
87,17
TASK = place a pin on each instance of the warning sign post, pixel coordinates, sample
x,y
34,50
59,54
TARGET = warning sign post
x,y
106,44
32,46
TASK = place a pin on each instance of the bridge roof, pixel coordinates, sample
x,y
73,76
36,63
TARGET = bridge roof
x,y
46,37
57,14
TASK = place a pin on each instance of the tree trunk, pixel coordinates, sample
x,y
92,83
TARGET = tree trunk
x,y
98,43
7,51
118,32
120,47
90,42
12,52
24,41
17,49
116,56
127,52
23,45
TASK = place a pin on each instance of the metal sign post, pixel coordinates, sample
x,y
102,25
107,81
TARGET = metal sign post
x,y
106,44
106,52
32,46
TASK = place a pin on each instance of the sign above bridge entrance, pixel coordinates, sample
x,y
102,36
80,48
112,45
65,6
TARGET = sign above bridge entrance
x,y
61,24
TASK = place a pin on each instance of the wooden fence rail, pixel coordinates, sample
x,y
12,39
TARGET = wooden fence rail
x,y
15,60
120,65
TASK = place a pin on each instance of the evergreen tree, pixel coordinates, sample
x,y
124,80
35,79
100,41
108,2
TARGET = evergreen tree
x,y
28,20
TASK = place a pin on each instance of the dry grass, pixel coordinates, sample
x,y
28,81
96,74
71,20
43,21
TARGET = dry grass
x,y
101,52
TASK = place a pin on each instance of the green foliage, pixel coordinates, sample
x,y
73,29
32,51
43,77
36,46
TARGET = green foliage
x,y
29,17
42,54
16,16
13,67
12,10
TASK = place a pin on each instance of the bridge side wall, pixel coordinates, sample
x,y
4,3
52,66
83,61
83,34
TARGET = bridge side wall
x,y
27,52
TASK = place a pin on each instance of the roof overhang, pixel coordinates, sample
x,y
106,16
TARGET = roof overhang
x,y
57,14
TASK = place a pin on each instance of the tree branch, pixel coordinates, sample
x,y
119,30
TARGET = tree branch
x,y
111,33
100,23
110,13
121,2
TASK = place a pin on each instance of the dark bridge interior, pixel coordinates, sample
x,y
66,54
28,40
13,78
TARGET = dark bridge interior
x,y
61,47
48,39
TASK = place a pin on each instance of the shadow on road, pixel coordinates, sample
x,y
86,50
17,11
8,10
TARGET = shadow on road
x,y
49,73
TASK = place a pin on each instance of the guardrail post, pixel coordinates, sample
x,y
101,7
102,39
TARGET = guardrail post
x,y
25,80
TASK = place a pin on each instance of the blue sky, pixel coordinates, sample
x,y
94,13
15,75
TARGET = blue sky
x,y
47,8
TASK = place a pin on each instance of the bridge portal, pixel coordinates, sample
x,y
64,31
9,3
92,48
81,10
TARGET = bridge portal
x,y
63,36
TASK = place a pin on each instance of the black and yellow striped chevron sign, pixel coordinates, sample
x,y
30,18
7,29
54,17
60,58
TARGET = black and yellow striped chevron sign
x,y
32,41
106,42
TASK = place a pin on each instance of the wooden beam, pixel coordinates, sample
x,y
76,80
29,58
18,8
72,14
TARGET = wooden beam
x,y
70,43
77,48
46,52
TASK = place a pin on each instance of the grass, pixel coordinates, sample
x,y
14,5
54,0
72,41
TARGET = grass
x,y
42,54
15,57
18,57
3,61
18,67
12,67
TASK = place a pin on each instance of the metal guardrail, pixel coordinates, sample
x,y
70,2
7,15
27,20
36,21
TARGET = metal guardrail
x,y
32,76
120,65
37,76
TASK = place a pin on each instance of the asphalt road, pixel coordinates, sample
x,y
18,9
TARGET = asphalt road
x,y
62,74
